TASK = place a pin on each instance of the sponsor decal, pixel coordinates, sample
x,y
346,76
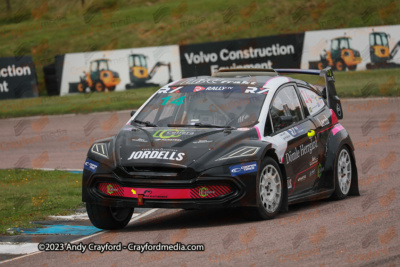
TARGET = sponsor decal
x,y
111,189
203,142
91,165
312,172
213,81
320,170
323,120
313,160
171,133
243,168
218,88
140,140
165,155
204,191
302,178
289,183
243,129
301,151
296,131
133,191
198,89
256,90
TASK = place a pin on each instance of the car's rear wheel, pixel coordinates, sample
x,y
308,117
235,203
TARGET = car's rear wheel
x,y
269,190
343,173
108,218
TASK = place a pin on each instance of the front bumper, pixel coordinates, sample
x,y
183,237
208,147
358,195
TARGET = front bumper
x,y
114,188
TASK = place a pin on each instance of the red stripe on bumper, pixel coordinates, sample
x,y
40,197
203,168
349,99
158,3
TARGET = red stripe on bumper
x,y
199,192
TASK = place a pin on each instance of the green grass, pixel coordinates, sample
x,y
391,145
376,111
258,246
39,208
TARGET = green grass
x,y
383,82
31,195
47,28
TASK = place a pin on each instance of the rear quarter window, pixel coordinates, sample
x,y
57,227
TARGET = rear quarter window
x,y
314,102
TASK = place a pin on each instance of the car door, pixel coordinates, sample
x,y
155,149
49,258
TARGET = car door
x,y
290,122
320,114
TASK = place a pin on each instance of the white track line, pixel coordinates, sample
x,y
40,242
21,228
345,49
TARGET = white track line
x,y
18,248
144,214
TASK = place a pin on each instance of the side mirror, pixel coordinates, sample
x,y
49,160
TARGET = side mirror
x,y
133,113
285,121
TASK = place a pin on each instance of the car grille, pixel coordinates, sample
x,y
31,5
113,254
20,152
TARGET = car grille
x,y
160,171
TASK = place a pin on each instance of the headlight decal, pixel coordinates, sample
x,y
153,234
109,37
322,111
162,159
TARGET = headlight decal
x,y
100,149
245,151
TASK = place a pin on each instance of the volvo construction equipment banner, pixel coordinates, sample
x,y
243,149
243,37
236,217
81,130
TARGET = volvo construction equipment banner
x,y
17,78
117,70
280,51
352,49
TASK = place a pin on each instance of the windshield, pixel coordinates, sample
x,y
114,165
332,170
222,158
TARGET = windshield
x,y
218,108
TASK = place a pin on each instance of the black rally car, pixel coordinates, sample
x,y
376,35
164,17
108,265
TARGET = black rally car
x,y
242,137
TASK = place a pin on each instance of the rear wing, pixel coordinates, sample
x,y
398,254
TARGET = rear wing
x,y
332,97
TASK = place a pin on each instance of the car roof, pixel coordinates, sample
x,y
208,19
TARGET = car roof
x,y
271,82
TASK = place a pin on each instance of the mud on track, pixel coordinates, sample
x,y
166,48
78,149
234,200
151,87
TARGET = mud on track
x,y
356,231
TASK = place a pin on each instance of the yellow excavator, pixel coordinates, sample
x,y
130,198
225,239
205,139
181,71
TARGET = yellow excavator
x,y
139,74
379,51
340,57
99,77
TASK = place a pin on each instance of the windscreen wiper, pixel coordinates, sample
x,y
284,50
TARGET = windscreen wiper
x,y
199,124
147,123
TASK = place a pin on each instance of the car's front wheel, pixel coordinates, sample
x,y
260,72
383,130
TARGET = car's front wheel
x,y
269,190
343,173
108,218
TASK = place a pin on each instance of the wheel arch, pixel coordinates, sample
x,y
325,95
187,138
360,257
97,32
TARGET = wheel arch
x,y
334,143
270,152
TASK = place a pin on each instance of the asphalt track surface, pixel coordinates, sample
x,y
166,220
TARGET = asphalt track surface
x,y
356,231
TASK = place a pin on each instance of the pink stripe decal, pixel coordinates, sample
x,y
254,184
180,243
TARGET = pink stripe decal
x,y
198,192
337,128
157,193
265,84
258,132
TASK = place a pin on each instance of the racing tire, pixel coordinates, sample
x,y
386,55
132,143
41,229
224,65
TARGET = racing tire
x,y
269,190
343,173
108,218
99,86
340,66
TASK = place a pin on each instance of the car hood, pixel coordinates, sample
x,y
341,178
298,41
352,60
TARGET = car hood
x,y
183,147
